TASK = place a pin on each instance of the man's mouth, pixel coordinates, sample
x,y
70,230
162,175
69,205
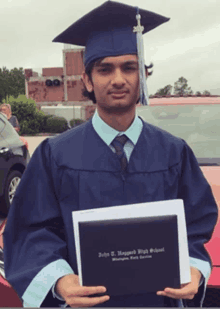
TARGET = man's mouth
x,y
118,94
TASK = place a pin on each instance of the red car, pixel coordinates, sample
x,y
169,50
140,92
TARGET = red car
x,y
8,297
213,246
196,120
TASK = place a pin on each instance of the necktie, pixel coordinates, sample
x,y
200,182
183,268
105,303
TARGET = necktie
x,y
118,144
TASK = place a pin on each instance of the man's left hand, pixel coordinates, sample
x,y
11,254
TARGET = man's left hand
x,y
187,291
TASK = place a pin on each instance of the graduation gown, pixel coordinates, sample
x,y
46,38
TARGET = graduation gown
x,y
77,170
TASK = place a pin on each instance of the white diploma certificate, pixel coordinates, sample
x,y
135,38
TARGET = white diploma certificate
x,y
149,209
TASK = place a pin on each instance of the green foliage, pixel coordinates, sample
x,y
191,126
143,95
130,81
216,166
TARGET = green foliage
x,y
164,91
76,122
56,124
12,83
30,119
181,87
206,92
46,129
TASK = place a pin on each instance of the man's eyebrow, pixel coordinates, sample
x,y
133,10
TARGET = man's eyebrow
x,y
102,64
131,63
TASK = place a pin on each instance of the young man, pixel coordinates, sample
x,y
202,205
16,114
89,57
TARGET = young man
x,y
81,169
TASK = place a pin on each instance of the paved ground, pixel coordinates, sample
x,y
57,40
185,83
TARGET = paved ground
x,y
34,141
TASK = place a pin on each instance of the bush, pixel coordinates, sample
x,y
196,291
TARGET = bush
x,y
56,124
76,122
46,129
30,119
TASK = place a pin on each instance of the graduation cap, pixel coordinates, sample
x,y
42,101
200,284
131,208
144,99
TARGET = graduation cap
x,y
113,29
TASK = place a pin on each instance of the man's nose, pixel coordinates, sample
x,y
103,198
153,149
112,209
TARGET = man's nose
x,y
118,79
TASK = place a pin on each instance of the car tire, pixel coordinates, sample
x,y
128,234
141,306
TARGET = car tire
x,y
11,184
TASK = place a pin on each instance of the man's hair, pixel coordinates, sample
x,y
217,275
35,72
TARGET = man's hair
x,y
5,105
88,71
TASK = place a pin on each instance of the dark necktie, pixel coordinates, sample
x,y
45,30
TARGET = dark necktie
x,y
118,144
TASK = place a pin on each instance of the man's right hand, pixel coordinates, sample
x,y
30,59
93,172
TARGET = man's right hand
x,y
76,295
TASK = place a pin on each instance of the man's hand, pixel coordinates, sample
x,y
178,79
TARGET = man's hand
x,y
187,291
76,295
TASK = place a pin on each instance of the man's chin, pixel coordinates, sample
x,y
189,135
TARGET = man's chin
x,y
119,107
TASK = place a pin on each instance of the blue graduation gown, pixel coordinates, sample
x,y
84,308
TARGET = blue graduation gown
x,y
77,170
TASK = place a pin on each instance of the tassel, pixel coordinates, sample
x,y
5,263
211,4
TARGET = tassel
x,y
140,50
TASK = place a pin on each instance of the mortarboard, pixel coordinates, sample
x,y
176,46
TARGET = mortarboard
x,y
108,30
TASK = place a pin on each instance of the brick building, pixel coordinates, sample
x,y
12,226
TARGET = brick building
x,y
61,85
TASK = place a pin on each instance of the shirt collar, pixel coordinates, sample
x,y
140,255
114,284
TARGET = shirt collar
x,y
108,134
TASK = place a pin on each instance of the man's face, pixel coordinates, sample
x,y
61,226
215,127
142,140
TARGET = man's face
x,y
115,82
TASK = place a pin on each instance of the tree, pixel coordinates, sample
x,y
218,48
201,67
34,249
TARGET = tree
x,y
206,92
181,87
17,81
12,83
164,91
4,83
198,93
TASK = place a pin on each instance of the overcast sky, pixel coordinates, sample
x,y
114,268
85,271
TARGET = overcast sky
x,y
188,45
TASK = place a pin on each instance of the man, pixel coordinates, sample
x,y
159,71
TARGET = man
x,y
6,109
81,169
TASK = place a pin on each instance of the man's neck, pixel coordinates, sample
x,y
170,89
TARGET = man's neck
x,y
119,122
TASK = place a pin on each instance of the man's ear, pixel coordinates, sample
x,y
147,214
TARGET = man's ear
x,y
87,82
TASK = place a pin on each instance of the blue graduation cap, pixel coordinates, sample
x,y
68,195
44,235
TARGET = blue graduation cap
x,y
113,29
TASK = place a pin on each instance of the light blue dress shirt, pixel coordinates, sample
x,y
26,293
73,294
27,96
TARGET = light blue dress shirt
x,y
108,134
46,279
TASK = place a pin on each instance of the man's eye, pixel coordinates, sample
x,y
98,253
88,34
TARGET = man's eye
x,y
104,70
130,68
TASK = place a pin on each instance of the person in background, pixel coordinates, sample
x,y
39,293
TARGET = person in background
x,y
6,109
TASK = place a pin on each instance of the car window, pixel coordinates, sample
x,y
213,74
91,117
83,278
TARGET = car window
x,y
198,125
